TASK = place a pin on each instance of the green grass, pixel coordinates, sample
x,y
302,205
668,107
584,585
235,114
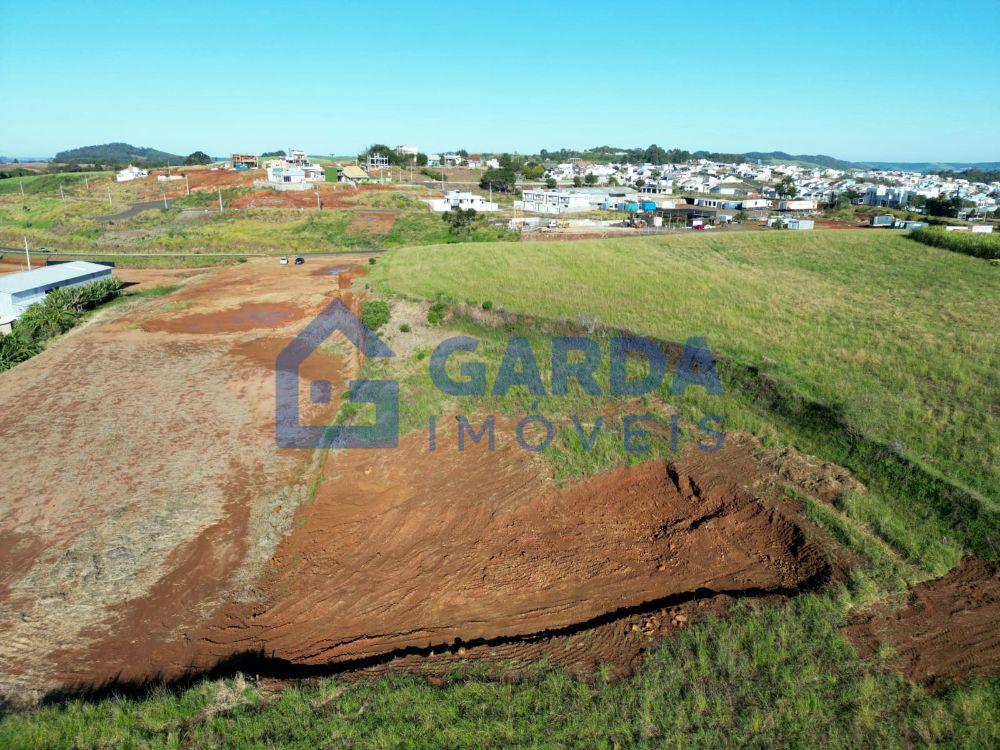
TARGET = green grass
x,y
48,184
978,245
71,225
897,339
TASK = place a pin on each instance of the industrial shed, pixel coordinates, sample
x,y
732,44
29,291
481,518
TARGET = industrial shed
x,y
20,290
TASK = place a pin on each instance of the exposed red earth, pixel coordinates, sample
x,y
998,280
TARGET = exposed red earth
x,y
946,629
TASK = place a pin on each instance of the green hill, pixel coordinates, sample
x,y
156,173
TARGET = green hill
x,y
118,153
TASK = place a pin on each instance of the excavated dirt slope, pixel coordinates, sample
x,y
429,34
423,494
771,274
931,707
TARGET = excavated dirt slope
x,y
947,629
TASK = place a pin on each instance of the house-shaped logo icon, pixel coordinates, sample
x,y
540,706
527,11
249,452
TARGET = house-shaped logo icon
x,y
290,433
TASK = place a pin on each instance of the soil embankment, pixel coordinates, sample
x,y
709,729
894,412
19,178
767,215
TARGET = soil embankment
x,y
947,629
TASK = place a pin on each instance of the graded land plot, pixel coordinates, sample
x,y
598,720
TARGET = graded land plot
x,y
159,476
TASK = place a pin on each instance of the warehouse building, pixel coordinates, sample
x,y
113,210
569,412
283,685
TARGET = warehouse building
x,y
20,290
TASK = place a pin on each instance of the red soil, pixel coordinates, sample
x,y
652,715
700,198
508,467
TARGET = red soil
x,y
479,545
407,550
946,630
248,317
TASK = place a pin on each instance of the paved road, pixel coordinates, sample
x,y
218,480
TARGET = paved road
x,y
7,250
135,208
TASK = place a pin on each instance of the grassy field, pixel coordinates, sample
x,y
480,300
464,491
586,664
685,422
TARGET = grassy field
x,y
895,337
74,224
863,348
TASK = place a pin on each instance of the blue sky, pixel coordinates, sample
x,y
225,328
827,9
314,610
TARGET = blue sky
x,y
864,81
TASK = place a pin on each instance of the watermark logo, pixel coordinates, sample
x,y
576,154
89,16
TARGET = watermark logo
x,y
290,432
573,359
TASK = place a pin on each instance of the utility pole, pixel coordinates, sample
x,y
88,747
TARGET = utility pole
x,y
187,185
220,200
62,195
110,204
318,207
26,253
165,199
86,181
20,184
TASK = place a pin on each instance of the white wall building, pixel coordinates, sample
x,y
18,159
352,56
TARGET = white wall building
x,y
294,178
555,201
458,199
131,173
797,205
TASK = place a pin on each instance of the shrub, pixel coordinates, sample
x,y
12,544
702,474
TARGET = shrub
x,y
57,313
371,261
436,176
487,304
978,245
405,328
435,314
374,314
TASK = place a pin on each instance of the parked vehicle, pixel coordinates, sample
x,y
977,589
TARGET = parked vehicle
x,y
284,260
300,260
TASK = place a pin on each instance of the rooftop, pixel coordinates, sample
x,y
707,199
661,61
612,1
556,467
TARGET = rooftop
x,y
46,275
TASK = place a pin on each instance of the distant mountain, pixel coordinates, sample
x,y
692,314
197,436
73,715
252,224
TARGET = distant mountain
x,y
118,153
926,166
806,160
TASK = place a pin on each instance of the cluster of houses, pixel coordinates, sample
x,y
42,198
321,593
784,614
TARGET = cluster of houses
x,y
721,189
291,172
878,188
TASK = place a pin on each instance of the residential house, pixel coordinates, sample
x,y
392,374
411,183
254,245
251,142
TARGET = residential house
x,y
556,201
131,173
461,200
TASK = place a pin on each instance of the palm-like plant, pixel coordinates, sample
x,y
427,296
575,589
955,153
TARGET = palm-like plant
x,y
46,319
14,349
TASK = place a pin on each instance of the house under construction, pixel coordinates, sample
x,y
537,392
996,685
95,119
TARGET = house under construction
x,y
244,161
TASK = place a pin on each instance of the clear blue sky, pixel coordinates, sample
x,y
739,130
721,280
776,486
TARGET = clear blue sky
x,y
865,81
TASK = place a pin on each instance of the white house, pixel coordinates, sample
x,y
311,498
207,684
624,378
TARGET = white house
x,y
131,173
458,199
797,205
555,201
294,178
407,150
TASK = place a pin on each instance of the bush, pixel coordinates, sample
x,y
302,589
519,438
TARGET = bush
x,y
57,313
405,328
371,261
978,245
435,314
374,314
487,304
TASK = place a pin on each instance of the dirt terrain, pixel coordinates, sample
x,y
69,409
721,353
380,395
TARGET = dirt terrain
x,y
947,628
153,530
143,465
